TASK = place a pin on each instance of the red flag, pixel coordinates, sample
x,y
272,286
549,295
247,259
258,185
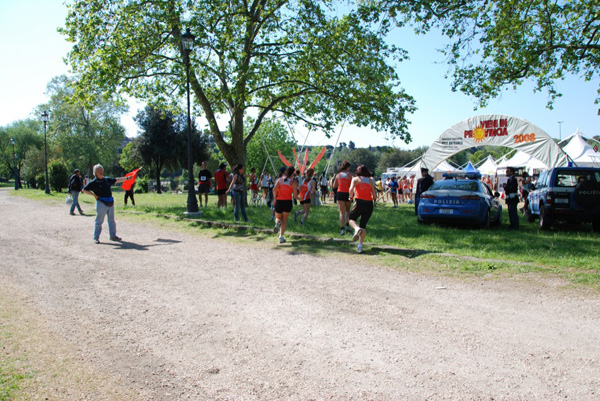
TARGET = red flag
x,y
127,184
283,159
314,163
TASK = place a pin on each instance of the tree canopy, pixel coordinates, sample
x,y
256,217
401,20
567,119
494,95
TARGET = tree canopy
x,y
497,44
299,58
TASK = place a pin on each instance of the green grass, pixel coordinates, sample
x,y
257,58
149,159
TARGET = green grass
x,y
572,252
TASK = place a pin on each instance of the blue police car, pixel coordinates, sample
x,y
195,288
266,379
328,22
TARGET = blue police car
x,y
460,198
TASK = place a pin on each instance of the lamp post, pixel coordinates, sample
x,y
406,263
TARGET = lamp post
x,y
560,130
187,41
12,141
45,120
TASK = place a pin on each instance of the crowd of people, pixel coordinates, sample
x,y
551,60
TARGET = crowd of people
x,y
354,193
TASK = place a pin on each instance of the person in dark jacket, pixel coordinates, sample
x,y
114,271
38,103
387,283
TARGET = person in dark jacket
x,y
75,187
511,198
423,185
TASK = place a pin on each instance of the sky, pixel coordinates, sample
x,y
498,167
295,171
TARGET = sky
x,y
32,53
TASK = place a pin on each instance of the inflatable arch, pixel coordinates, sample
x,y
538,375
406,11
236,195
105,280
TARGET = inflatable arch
x,y
494,130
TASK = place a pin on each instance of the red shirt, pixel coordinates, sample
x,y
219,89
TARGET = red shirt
x,y
221,179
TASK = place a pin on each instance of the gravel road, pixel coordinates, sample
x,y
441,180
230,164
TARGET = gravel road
x,y
172,316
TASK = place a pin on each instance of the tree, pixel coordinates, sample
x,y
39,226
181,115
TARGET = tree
x,y
85,134
26,136
399,158
496,43
58,175
130,157
275,137
295,58
360,156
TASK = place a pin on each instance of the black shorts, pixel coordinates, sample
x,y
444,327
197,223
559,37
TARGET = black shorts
x,y
343,196
203,189
283,206
362,209
324,189
221,191
304,202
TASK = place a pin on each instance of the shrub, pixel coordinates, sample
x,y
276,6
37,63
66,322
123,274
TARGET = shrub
x,y
40,181
58,175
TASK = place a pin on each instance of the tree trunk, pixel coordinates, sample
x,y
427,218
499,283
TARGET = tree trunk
x,y
158,185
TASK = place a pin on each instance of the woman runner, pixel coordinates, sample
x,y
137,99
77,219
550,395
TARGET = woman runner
x,y
286,189
362,189
342,183
306,192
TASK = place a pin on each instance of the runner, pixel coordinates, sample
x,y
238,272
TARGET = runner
x,y
286,189
253,180
221,178
204,184
324,191
362,189
342,184
264,184
394,191
307,189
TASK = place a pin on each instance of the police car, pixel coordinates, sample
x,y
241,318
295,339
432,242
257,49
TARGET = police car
x,y
460,198
570,194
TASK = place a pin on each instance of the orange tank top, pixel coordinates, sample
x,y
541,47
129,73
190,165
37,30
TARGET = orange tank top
x,y
363,190
344,181
285,189
304,190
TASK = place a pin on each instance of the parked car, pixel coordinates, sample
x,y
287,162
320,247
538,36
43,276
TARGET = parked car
x,y
570,194
460,198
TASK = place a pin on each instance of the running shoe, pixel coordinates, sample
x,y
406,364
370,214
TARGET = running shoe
x,y
96,241
115,238
277,226
342,231
359,248
281,240
357,234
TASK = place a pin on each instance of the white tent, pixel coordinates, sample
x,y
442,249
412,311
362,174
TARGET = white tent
x,y
488,167
444,167
581,152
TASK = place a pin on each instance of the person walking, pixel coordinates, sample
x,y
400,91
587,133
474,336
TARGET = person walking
x,y
99,188
362,189
238,188
75,187
129,194
253,179
423,185
341,183
394,191
204,184
221,178
286,189
511,191
307,191
323,183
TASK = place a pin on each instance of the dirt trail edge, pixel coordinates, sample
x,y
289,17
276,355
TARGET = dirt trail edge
x,y
171,316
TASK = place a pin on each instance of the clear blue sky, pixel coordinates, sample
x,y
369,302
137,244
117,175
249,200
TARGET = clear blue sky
x,y
32,52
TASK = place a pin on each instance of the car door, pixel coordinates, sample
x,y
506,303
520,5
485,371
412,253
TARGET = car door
x,y
493,202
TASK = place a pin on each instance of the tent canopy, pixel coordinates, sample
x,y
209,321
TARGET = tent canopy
x,y
581,152
488,167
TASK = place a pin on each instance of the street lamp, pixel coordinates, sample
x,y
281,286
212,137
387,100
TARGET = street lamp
x,y
12,141
187,41
45,120
560,130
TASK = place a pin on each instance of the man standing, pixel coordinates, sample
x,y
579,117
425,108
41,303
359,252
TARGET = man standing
x,y
511,197
99,188
75,187
204,184
221,181
423,185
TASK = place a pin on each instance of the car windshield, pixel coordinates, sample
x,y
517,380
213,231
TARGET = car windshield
x,y
465,185
570,178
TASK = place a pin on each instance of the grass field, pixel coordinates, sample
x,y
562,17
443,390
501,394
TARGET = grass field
x,y
570,252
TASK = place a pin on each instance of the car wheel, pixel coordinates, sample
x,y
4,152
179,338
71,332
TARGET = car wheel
x,y
486,220
545,218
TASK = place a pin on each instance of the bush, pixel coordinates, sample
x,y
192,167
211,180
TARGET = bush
x,y
58,175
174,184
40,181
142,185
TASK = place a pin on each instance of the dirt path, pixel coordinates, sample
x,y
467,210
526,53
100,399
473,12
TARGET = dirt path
x,y
170,316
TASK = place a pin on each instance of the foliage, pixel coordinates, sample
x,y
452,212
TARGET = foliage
x,y
40,181
84,134
26,136
499,43
398,157
273,135
359,156
130,157
141,185
58,175
298,58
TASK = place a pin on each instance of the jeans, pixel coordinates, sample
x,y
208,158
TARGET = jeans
x,y
101,211
75,196
239,204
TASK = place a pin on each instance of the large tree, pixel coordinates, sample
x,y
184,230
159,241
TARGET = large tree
x,y
85,134
26,136
299,58
498,43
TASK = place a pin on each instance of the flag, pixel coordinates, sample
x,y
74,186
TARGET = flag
x,y
127,184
